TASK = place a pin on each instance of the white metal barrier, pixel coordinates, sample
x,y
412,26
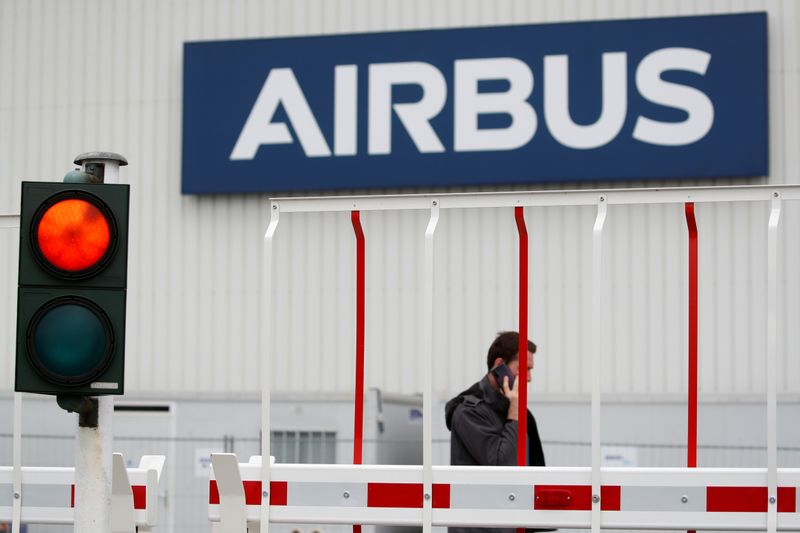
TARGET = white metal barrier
x,y
134,494
768,496
557,497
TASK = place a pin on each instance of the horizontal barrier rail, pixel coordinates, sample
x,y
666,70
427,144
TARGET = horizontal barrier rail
x,y
669,195
557,497
134,494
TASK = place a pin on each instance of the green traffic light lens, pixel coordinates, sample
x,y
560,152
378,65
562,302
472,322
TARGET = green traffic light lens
x,y
70,341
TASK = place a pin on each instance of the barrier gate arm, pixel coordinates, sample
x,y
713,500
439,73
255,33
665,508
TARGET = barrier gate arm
x,y
134,494
549,497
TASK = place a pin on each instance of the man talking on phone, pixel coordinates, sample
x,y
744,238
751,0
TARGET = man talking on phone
x,y
483,419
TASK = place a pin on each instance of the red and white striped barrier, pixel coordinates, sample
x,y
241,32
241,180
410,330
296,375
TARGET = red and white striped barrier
x,y
134,494
557,497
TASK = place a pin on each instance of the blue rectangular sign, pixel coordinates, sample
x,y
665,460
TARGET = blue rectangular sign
x,y
678,97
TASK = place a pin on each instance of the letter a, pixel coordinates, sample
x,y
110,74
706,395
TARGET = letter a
x,y
281,87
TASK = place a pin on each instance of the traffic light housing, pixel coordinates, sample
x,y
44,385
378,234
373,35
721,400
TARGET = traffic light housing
x,y
73,258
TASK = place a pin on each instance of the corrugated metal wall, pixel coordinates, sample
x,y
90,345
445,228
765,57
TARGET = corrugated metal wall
x,y
95,74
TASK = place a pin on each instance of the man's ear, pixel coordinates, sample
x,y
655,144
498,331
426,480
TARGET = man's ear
x,y
497,362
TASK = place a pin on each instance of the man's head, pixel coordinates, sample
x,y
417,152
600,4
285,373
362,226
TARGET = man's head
x,y
505,350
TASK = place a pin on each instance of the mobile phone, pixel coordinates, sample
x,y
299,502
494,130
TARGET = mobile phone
x,y
501,371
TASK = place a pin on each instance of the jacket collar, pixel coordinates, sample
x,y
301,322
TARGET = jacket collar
x,y
493,397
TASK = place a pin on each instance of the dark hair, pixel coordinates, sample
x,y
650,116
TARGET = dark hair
x,y
506,346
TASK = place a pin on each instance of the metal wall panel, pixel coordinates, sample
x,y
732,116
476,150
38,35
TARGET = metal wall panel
x,y
92,74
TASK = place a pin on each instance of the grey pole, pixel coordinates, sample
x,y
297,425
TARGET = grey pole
x,y
94,437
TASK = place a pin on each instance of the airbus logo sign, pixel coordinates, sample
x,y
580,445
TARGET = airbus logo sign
x,y
656,98
282,88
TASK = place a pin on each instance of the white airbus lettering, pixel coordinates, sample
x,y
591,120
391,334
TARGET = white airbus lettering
x,y
281,88
469,103
416,116
696,103
556,103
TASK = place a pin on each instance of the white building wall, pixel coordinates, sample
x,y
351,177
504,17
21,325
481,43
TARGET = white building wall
x,y
84,75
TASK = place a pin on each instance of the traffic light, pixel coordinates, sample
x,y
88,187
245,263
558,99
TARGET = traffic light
x,y
73,258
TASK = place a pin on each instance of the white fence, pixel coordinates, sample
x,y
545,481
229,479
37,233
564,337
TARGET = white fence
x,y
759,488
134,494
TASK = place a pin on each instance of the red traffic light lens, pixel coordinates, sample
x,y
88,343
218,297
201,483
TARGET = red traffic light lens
x,y
73,236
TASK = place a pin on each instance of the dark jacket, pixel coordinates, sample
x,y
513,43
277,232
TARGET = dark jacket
x,y
480,434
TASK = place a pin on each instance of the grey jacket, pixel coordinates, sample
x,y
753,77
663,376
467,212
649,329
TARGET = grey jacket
x,y
480,434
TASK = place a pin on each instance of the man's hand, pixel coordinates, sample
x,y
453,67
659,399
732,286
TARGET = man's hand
x,y
513,400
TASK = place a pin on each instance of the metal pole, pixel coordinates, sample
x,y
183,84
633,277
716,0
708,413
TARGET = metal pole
x,y
691,224
94,445
93,463
426,363
522,382
691,449
597,356
16,512
358,418
9,222
772,367
266,368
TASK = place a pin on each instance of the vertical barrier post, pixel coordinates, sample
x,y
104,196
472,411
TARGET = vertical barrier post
x,y
772,367
519,215
597,355
426,364
358,424
522,381
691,224
691,445
266,366
16,509
9,222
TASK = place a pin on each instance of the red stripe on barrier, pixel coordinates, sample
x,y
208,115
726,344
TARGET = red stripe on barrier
x,y
252,492
575,497
787,499
280,492
748,499
213,492
441,496
610,498
139,496
408,495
